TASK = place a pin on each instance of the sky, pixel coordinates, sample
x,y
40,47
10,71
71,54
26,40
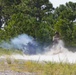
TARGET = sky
x,y
56,3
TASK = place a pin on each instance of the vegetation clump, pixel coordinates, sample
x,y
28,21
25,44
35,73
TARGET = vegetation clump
x,y
39,19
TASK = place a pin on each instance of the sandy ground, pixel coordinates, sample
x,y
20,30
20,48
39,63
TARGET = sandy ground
x,y
66,56
60,57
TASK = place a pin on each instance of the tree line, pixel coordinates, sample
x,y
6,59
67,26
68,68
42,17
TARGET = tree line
x,y
39,19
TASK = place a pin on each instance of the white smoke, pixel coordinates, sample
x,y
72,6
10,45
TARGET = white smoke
x,y
56,48
22,42
30,46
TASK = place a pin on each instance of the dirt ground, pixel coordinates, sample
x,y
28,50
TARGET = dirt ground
x,y
16,73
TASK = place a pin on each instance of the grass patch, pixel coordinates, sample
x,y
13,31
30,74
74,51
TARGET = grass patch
x,y
9,51
41,68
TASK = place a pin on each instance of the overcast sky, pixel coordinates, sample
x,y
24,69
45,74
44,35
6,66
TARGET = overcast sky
x,y
58,2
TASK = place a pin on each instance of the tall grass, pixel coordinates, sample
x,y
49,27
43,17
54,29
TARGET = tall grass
x,y
9,51
40,68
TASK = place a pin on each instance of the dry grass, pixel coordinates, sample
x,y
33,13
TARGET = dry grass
x,y
41,68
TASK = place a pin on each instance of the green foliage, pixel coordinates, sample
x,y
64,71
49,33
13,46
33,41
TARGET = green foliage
x,y
63,26
74,34
65,21
42,68
29,17
38,19
44,33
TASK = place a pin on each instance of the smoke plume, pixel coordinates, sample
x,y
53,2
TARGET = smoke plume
x,y
22,42
29,45
37,52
